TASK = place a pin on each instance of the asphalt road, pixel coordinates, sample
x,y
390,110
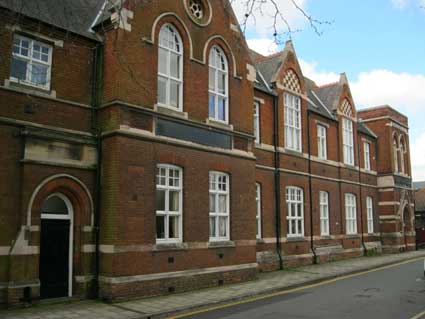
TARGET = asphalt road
x,y
397,292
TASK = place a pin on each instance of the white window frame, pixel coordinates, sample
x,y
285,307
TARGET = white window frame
x,y
214,190
324,213
216,53
31,61
322,149
166,212
366,147
350,214
295,211
369,210
167,76
258,215
293,122
348,141
257,126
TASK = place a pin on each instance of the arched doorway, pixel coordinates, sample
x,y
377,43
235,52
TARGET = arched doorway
x,y
56,246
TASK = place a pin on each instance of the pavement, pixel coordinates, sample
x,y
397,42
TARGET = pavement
x,y
390,292
161,307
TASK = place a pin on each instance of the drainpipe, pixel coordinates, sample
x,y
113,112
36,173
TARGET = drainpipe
x,y
277,177
96,89
313,249
361,194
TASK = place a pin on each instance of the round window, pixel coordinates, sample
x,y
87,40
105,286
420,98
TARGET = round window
x,y
199,11
196,9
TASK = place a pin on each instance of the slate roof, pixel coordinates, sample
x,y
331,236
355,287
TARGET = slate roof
x,y
268,66
314,103
420,200
76,16
329,94
363,128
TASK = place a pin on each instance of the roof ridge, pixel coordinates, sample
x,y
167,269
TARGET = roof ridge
x,y
326,85
267,57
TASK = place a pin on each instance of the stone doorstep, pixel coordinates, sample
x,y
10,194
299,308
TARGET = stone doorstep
x,y
265,291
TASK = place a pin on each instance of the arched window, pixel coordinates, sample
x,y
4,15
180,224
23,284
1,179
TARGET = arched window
x,y
402,156
170,68
218,86
395,152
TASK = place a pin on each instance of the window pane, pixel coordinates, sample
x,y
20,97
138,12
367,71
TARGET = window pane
x,y
175,65
160,226
211,81
212,227
174,93
299,232
173,227
162,61
160,200
39,74
299,210
19,69
36,52
174,200
221,109
222,226
222,203
293,227
212,106
221,83
162,90
174,178
212,182
212,203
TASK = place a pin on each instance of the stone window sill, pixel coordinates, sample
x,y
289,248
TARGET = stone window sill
x,y
221,244
170,246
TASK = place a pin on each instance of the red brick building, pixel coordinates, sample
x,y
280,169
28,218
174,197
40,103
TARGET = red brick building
x,y
147,150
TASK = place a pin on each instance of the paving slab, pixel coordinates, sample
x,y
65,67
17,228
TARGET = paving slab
x,y
160,307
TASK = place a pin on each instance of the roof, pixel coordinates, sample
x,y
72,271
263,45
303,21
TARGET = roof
x,y
314,103
76,16
420,200
268,66
329,94
363,128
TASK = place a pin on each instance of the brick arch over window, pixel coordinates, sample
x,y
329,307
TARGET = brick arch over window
x,y
71,187
291,81
218,40
347,109
177,22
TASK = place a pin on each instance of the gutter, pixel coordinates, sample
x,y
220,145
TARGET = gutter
x,y
277,180
313,249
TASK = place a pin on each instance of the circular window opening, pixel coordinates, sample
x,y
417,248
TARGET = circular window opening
x,y
196,9
199,11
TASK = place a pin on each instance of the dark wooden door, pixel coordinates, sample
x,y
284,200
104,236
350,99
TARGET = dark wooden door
x,y
54,258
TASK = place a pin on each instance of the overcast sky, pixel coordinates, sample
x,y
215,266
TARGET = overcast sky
x,y
380,44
